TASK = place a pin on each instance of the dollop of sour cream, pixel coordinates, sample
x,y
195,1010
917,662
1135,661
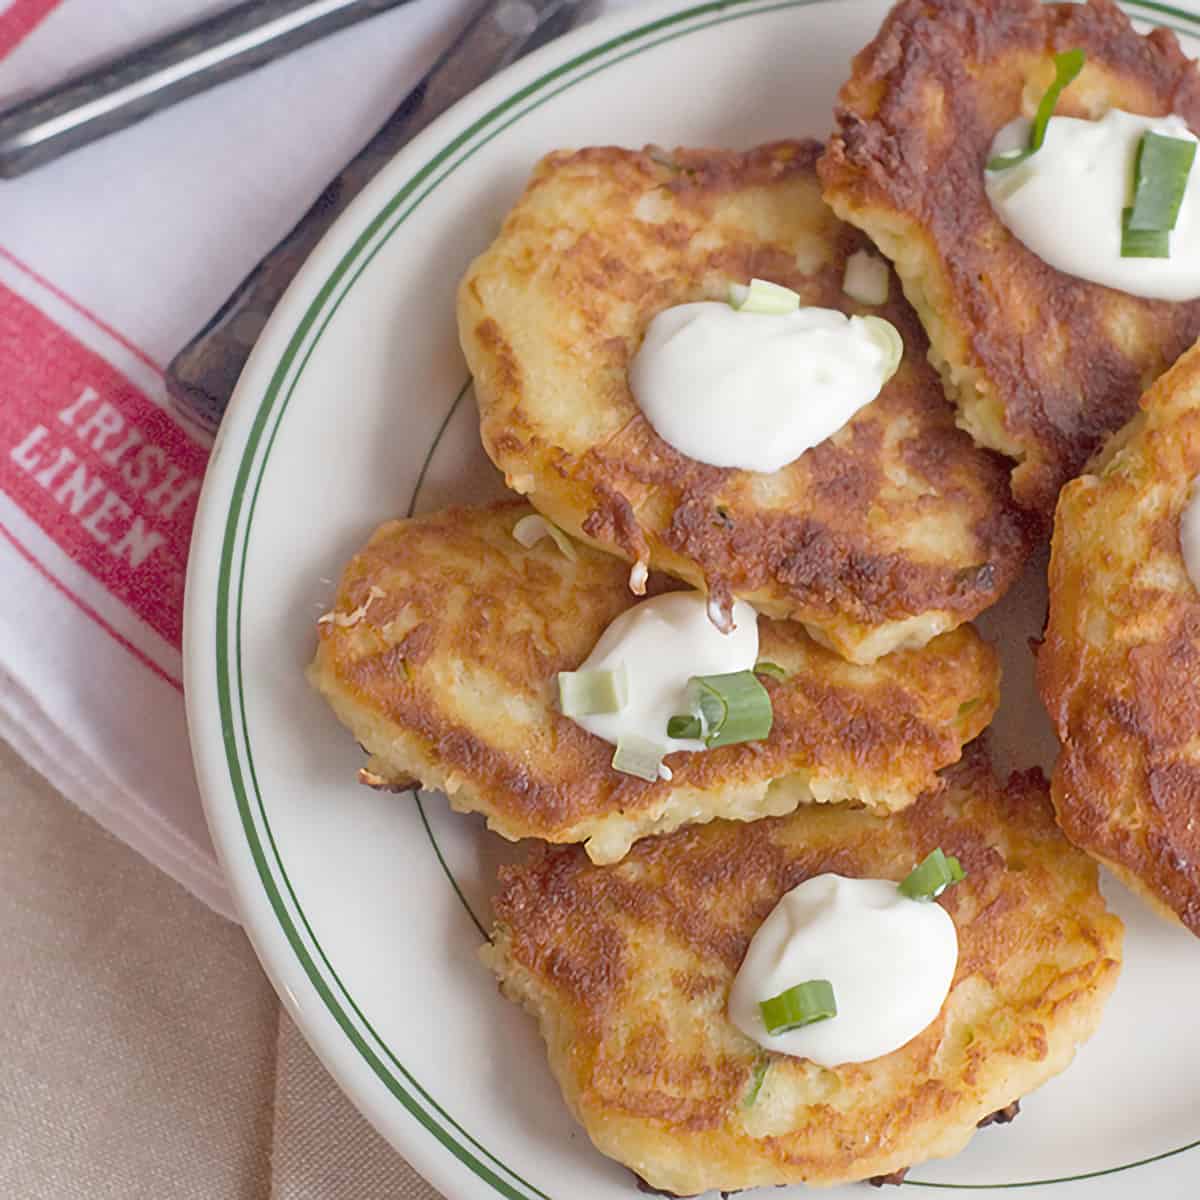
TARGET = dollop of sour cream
x,y
1065,202
662,642
754,390
890,959
1189,533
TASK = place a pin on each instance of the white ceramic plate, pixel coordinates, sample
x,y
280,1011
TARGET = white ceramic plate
x,y
367,909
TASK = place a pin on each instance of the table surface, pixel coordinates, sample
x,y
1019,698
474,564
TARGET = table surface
x,y
142,1050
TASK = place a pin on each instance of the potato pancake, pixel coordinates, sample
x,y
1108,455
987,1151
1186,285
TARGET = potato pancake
x,y
1043,365
889,532
1119,668
442,654
628,970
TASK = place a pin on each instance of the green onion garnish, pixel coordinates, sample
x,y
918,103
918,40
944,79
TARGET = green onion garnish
x,y
969,706
733,707
866,278
935,874
763,297
1160,179
636,756
711,703
769,668
582,693
530,530
887,337
685,726
1067,66
1143,243
804,1004
760,1073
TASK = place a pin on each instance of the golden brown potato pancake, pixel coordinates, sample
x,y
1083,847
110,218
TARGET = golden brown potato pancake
x,y
889,532
442,653
1119,668
628,970
1042,365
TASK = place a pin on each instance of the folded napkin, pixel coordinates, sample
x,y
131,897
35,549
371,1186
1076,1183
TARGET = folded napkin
x,y
110,260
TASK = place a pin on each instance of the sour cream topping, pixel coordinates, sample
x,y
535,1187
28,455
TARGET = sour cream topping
x,y
1189,533
1065,202
662,643
755,390
890,959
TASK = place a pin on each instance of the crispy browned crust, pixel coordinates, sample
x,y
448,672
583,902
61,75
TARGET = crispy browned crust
x,y
1003,1116
628,969
442,654
887,533
1119,669
1043,365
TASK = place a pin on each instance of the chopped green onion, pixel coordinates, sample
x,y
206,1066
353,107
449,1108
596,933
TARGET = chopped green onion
x,y
769,668
530,530
1143,243
1067,66
688,726
887,337
1160,179
760,1073
763,297
734,707
867,278
582,693
804,1004
636,756
712,705
935,874
969,706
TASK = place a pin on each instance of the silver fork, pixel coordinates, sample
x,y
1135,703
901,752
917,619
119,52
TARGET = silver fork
x,y
116,94
201,377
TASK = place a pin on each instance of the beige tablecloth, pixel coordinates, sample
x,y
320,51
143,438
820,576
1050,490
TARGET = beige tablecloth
x,y
142,1051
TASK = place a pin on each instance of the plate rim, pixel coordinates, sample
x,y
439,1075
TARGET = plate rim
x,y
223,519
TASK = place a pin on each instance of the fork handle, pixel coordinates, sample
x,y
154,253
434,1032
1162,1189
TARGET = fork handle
x,y
172,68
202,375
